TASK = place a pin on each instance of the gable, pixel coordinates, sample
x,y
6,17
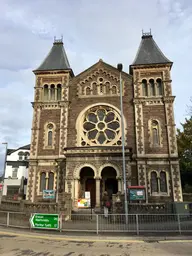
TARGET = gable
x,y
99,80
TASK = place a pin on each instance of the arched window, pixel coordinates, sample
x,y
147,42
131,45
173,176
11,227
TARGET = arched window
x,y
52,92
58,92
155,133
50,138
46,92
163,182
51,181
114,90
26,155
144,87
42,181
159,87
88,91
21,154
154,182
152,87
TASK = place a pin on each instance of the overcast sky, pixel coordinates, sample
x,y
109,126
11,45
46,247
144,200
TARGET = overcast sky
x,y
91,29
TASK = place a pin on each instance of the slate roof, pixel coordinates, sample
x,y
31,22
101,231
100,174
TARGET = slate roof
x,y
26,147
56,59
149,52
10,151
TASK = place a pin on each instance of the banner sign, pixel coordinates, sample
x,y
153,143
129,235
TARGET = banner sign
x,y
48,194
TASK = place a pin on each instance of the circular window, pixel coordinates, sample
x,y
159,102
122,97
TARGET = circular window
x,y
101,126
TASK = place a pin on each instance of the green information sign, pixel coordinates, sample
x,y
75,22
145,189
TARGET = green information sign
x,y
136,194
45,221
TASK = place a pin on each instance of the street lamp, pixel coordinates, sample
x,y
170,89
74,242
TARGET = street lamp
x,y
6,147
120,68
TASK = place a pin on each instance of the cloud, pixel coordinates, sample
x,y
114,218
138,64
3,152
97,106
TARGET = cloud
x,y
108,29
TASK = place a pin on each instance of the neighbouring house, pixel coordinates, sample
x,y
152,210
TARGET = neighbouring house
x,y
76,144
16,171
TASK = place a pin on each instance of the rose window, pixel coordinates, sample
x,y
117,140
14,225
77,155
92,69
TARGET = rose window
x,y
101,126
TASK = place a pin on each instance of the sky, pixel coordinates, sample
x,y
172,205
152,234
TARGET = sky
x,y
107,29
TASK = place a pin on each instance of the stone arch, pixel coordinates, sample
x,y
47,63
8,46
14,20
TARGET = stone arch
x,y
116,168
80,167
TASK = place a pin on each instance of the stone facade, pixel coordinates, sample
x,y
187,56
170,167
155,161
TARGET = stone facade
x,y
76,133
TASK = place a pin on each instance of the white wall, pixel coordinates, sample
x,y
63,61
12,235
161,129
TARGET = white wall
x,y
22,171
10,183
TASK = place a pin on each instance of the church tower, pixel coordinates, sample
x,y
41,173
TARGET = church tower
x,y
156,145
49,125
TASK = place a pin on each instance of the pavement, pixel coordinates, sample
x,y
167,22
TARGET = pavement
x,y
16,242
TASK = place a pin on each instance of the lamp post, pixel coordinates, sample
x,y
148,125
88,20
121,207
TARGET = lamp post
x,y
6,147
120,68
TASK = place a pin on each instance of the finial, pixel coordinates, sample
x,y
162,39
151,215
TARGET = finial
x,y
58,40
146,34
100,60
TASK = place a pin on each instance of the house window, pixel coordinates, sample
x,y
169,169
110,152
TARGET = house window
x,y
154,182
51,181
163,182
155,133
50,138
58,92
114,90
144,87
159,182
52,92
14,173
42,181
21,155
26,155
159,87
152,87
88,91
46,92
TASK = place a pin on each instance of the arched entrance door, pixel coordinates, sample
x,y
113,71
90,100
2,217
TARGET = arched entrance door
x,y
109,182
87,183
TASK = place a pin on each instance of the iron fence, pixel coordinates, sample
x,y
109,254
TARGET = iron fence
x,y
116,223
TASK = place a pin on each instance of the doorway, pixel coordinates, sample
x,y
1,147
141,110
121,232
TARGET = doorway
x,y
109,181
87,183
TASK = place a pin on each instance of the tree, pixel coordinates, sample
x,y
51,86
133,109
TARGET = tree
x,y
184,141
190,108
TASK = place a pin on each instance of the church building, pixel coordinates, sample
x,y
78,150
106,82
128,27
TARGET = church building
x,y
76,142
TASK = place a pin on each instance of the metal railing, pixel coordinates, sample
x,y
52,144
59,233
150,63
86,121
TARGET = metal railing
x,y
116,223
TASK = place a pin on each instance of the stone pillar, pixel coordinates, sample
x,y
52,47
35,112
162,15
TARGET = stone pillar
x,y
119,185
49,93
76,194
98,192
55,94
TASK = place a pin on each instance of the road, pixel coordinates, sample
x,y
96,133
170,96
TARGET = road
x,y
18,243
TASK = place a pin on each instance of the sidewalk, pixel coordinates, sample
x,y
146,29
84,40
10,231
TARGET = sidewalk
x,y
50,235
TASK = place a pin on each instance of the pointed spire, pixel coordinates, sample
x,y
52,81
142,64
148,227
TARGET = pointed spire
x,y
149,52
56,58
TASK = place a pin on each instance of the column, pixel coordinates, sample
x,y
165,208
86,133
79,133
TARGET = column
x,y
55,93
49,93
97,192
119,185
76,194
